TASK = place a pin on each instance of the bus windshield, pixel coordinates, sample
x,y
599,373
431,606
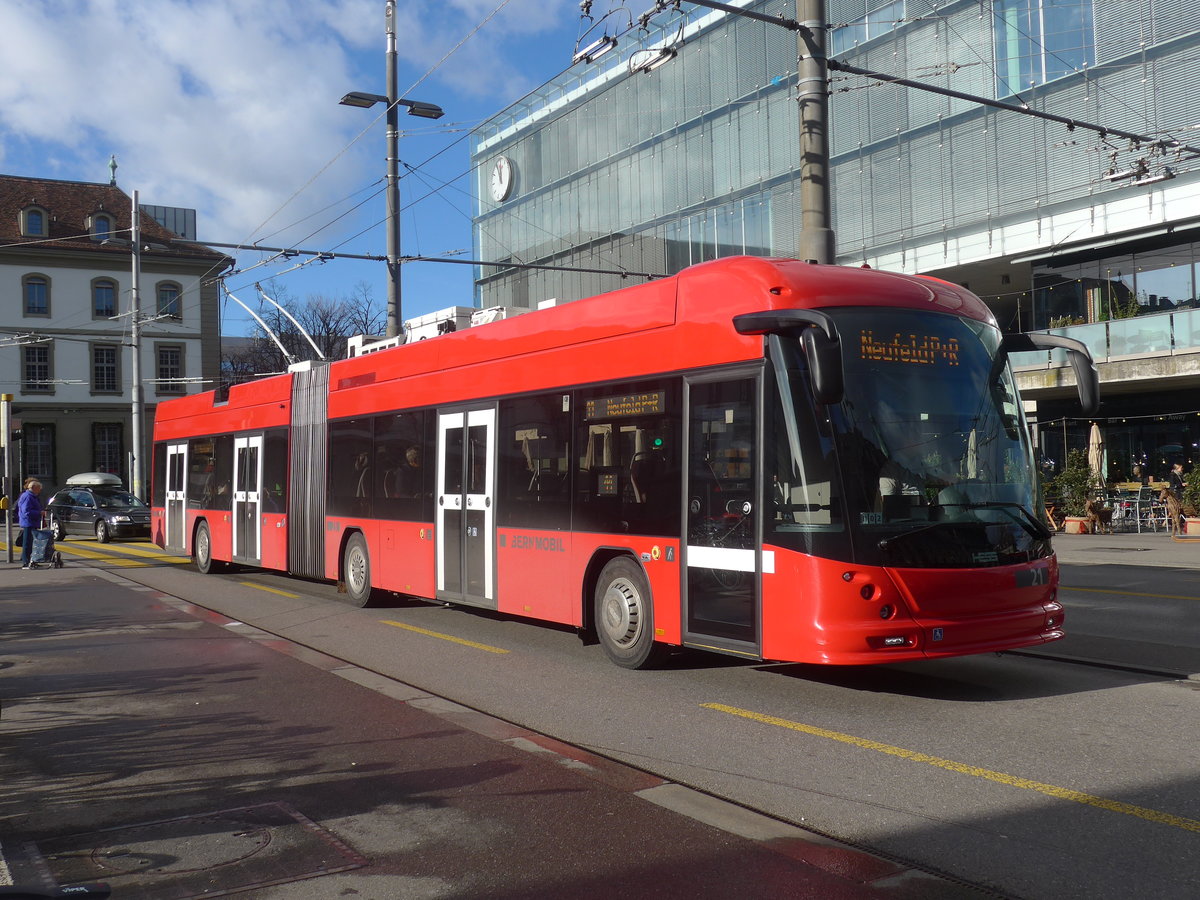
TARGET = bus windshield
x,y
934,458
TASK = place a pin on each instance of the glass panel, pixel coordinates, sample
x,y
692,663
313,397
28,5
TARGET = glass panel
x,y
37,297
405,489
1186,326
453,483
934,443
1140,336
629,469
721,538
534,480
104,302
350,484
168,300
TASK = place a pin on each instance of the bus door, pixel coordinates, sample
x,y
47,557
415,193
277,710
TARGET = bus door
x,y
722,556
247,497
176,497
466,508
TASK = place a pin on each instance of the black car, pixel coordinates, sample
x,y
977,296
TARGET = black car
x,y
95,503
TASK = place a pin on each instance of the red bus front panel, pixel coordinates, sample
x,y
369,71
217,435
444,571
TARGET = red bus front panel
x,y
824,611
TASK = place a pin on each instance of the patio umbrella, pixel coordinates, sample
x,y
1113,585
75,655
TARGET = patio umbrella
x,y
1096,457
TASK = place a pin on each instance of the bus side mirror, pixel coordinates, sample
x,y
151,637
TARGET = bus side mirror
x,y
819,337
1087,380
824,366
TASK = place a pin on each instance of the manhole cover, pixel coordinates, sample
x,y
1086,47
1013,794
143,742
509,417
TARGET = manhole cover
x,y
210,855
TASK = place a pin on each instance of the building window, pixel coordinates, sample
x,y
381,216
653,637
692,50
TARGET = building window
x,y
107,451
36,289
35,366
168,300
104,369
170,369
102,227
104,298
879,17
33,222
39,451
1040,40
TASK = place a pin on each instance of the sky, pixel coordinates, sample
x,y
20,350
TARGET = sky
x,y
230,107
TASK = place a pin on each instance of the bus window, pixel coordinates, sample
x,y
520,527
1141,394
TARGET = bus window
x,y
803,503
629,463
534,481
210,475
275,461
158,482
351,467
404,481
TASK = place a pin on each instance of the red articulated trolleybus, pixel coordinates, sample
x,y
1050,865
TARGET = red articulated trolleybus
x,y
761,457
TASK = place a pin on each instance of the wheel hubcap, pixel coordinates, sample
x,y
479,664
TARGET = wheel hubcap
x,y
621,613
356,569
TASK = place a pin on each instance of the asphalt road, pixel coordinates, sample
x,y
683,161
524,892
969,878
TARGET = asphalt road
x,y
1037,776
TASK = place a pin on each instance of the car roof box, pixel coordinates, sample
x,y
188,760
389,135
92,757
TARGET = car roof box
x,y
95,479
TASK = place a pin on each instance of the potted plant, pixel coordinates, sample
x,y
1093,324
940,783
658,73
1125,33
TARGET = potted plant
x,y
1191,503
1073,485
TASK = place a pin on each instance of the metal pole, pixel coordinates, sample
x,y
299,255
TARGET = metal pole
x,y
393,176
135,339
816,207
6,437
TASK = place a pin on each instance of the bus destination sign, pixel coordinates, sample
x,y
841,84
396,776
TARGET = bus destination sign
x,y
914,349
646,404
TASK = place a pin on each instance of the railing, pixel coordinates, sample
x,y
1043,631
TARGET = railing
x,y
1153,335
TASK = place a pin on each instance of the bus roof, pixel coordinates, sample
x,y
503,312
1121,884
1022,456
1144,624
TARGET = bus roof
x,y
670,324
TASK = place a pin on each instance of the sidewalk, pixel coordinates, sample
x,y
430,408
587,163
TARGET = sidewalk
x,y
175,753
1128,549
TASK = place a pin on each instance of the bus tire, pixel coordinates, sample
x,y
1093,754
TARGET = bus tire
x,y
202,551
625,615
356,571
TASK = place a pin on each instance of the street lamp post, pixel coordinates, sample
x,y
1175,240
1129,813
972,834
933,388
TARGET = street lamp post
x,y
415,108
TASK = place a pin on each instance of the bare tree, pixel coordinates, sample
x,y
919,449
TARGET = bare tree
x,y
328,320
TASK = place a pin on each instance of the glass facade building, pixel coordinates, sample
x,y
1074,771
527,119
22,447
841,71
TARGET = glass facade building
x,y
611,167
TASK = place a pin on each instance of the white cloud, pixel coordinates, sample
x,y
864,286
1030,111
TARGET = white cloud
x,y
231,105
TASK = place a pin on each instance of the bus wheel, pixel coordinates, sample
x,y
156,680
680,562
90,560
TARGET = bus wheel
x,y
356,571
202,551
625,616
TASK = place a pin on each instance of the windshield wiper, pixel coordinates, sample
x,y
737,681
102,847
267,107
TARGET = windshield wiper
x,y
1026,520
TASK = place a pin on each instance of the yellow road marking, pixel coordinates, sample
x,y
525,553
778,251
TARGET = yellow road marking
x,y
262,587
445,637
1050,790
113,554
1129,593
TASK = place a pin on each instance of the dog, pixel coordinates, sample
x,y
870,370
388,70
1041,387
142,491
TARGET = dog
x,y
1099,519
1174,510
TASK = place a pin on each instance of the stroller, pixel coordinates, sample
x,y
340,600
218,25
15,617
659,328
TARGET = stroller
x,y
42,554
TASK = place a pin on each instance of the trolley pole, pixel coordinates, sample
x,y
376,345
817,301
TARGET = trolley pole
x,y
816,207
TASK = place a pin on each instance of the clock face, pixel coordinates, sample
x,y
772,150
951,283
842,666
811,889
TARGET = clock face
x,y
502,179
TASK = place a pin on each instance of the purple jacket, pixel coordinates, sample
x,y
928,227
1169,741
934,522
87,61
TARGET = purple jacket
x,y
29,510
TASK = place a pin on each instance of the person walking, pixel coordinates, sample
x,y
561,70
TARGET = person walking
x,y
1175,480
29,517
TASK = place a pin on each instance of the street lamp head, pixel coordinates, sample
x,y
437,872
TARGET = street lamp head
x,y
362,100
424,110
